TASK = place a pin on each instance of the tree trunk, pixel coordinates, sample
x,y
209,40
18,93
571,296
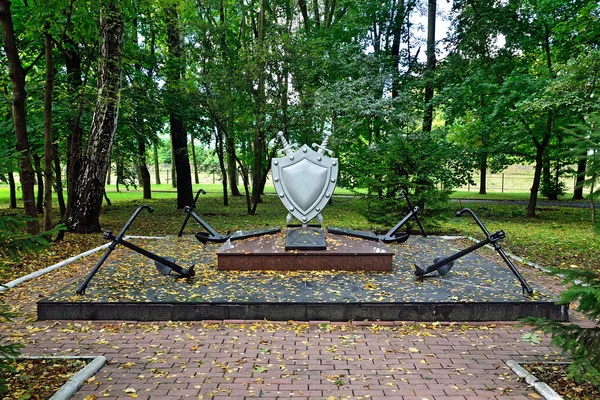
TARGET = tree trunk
x,y
178,132
13,190
228,133
118,171
85,214
581,167
48,147
430,66
144,173
108,173
39,178
397,31
259,133
195,162
546,175
58,184
232,173
173,169
17,79
156,165
483,174
75,140
539,160
223,168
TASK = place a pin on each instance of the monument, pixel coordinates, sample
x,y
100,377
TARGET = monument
x,y
304,181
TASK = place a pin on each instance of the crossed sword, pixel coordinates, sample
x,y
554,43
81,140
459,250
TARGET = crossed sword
x,y
322,148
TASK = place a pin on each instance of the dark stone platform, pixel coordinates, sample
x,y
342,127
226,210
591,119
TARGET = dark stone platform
x,y
128,287
342,254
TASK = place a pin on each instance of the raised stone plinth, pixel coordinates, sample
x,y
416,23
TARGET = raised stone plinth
x,y
342,254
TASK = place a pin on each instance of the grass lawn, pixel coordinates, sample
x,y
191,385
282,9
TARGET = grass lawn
x,y
557,237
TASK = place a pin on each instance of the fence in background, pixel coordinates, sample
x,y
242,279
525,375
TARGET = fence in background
x,y
516,178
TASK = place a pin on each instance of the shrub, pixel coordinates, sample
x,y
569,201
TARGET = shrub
x,y
14,242
583,344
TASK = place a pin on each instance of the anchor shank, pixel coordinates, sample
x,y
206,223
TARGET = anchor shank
x,y
410,206
187,217
170,264
435,266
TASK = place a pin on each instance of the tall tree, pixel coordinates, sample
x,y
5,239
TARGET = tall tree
x,y
85,214
430,67
17,77
174,86
48,142
259,144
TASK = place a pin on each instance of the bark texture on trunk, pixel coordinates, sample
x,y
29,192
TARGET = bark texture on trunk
x,y
17,79
144,173
195,160
259,133
232,173
483,174
85,213
539,162
430,66
398,30
58,184
75,140
48,147
156,164
13,190
581,167
39,178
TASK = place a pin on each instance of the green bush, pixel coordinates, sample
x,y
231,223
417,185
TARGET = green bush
x,y
7,351
14,242
423,164
583,344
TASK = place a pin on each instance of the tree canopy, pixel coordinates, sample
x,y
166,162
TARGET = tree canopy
x,y
407,110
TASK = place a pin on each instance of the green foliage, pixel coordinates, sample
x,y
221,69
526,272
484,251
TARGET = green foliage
x,y
7,351
582,343
424,165
14,241
553,189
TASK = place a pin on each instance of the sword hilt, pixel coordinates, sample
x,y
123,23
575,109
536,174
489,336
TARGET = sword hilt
x,y
287,148
323,146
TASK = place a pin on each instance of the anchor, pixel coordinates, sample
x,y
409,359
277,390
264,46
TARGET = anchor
x,y
164,265
392,236
211,235
443,265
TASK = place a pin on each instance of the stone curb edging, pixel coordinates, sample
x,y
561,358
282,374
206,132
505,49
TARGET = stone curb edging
x,y
542,388
67,390
4,287
72,386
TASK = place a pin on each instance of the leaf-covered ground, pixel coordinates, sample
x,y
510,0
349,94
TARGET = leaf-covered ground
x,y
129,277
555,376
38,379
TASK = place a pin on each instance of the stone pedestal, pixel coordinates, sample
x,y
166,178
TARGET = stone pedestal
x,y
305,239
342,253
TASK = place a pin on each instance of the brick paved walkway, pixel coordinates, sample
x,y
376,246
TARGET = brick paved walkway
x,y
211,360
291,360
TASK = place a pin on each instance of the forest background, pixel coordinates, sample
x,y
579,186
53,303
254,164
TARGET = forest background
x,y
93,84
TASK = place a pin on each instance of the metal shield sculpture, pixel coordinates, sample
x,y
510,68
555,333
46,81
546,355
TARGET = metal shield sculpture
x,y
305,180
